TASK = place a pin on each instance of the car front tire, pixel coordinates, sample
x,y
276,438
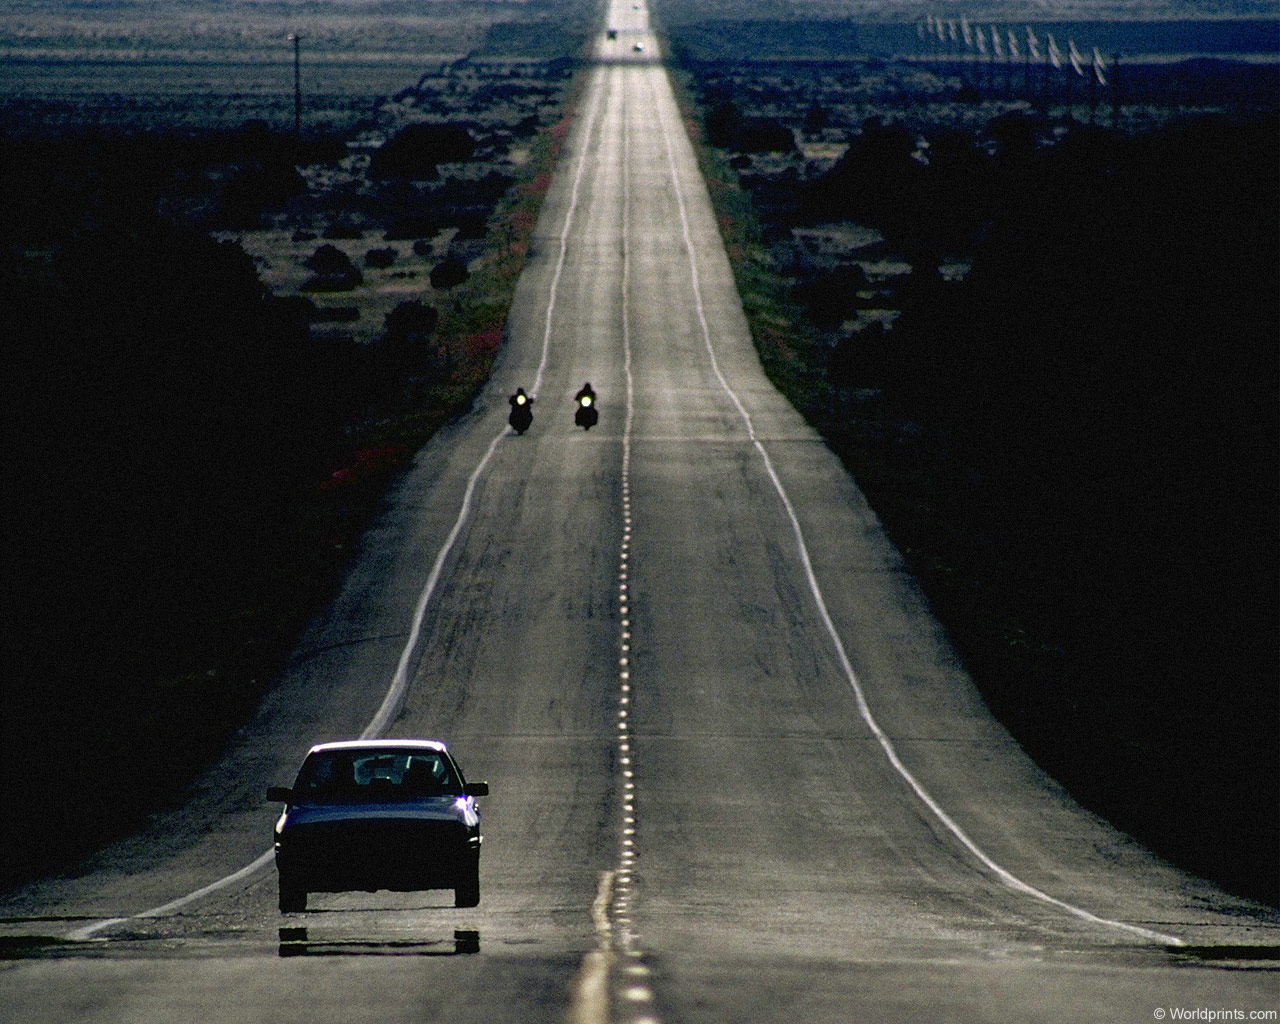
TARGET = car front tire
x,y
293,898
467,892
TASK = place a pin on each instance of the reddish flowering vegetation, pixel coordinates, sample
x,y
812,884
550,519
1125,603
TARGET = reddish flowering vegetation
x,y
560,130
539,185
523,220
369,464
481,345
773,339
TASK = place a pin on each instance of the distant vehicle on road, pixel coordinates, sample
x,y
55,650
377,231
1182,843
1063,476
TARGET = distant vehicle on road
x,y
613,33
639,47
378,814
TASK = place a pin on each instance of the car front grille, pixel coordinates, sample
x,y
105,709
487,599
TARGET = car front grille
x,y
376,853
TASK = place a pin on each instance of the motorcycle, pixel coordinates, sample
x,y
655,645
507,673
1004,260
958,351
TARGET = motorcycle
x,y
586,416
521,417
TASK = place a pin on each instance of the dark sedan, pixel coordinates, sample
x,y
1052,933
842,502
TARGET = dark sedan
x,y
378,814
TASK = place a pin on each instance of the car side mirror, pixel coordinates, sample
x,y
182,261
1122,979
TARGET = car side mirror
x,y
279,794
476,789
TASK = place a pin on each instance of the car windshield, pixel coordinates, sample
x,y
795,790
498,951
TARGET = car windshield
x,y
353,776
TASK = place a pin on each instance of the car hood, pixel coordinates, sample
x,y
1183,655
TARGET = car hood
x,y
445,808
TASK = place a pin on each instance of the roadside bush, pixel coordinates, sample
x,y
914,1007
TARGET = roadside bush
x,y
449,273
412,225
343,230
764,135
409,347
723,122
472,224
258,187
334,271
873,181
414,152
728,128
859,359
832,297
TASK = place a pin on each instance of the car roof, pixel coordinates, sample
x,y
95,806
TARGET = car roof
x,y
372,745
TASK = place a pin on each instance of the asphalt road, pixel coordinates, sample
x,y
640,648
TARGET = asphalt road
x,y
737,773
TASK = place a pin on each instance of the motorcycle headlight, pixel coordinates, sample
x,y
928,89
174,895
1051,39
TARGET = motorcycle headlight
x,y
586,399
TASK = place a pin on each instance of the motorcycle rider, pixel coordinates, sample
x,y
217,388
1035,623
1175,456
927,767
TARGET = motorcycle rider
x,y
586,415
521,416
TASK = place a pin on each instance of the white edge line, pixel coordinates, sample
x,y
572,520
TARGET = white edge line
x,y
864,709
394,700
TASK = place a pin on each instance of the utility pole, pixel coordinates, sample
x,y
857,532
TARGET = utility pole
x,y
297,85
1115,92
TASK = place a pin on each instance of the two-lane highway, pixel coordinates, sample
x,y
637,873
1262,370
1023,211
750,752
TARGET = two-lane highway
x,y
737,773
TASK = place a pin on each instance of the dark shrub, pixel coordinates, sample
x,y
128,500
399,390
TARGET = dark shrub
x,y
449,273
335,314
858,360
411,321
764,135
874,180
412,225
408,346
343,229
328,259
380,258
832,297
472,224
334,271
723,123
817,118
257,187
415,151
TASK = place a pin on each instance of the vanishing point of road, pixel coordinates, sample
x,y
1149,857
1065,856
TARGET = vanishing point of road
x,y
737,772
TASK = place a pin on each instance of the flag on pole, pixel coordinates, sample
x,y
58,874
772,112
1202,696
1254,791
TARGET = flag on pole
x,y
966,31
1055,55
995,43
1076,60
1013,45
1099,67
1033,45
